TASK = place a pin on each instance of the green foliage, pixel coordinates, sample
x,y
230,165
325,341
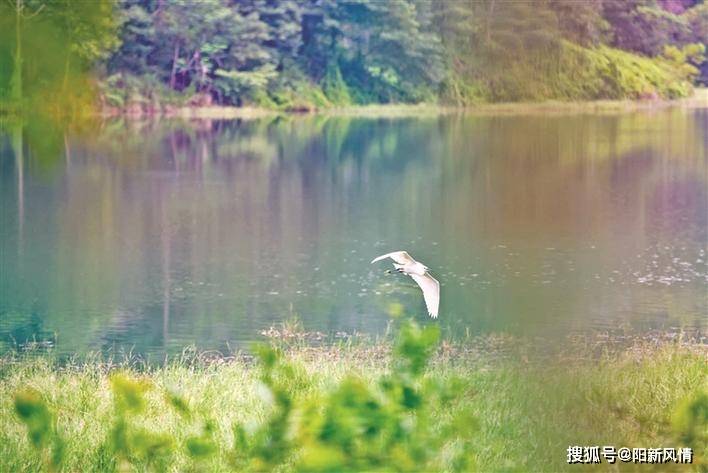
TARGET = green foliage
x,y
334,87
139,94
359,425
128,394
573,72
644,26
299,55
690,420
582,22
269,444
547,49
293,90
356,425
32,410
364,426
615,74
349,408
179,404
698,20
687,60
386,51
510,29
414,347
200,446
48,50
40,422
128,443
239,86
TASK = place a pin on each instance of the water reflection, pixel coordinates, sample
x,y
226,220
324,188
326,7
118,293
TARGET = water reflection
x,y
157,235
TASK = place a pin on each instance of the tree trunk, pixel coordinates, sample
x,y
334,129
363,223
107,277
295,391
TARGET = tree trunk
x,y
18,148
166,260
67,151
65,82
489,22
173,74
16,85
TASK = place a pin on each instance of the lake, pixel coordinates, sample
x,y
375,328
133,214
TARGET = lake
x,y
151,237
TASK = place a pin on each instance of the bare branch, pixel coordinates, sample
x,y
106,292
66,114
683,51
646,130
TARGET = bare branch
x,y
35,13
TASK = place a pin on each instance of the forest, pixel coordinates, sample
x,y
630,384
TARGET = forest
x,y
142,55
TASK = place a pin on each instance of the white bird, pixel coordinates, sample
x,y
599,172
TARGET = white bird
x,y
419,272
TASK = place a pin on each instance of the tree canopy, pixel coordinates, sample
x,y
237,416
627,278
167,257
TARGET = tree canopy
x,y
335,52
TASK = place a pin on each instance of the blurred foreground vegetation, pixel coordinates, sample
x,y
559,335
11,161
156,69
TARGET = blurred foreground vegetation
x,y
147,56
407,405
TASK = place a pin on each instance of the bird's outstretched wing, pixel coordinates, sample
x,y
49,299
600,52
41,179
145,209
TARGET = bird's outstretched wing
x,y
431,292
400,257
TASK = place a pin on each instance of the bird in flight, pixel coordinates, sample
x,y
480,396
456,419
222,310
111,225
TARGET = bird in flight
x,y
419,272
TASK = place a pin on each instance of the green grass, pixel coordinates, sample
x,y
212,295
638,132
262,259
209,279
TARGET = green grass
x,y
372,406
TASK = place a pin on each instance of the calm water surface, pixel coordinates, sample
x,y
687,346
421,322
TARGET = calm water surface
x,y
152,237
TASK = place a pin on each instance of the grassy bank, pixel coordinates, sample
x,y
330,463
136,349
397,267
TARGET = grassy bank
x,y
699,99
409,405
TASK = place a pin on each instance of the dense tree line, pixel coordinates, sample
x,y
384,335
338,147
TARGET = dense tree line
x,y
292,53
260,50
48,48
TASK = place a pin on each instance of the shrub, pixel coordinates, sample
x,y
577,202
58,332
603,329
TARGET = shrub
x,y
33,411
356,425
140,93
334,87
573,72
690,424
387,425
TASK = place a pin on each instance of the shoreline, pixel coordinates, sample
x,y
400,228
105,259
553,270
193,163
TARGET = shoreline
x,y
402,110
395,110
487,350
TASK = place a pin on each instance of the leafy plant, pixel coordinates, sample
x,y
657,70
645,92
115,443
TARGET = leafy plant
x,y
383,407
361,426
236,86
128,443
356,425
334,87
34,412
690,424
